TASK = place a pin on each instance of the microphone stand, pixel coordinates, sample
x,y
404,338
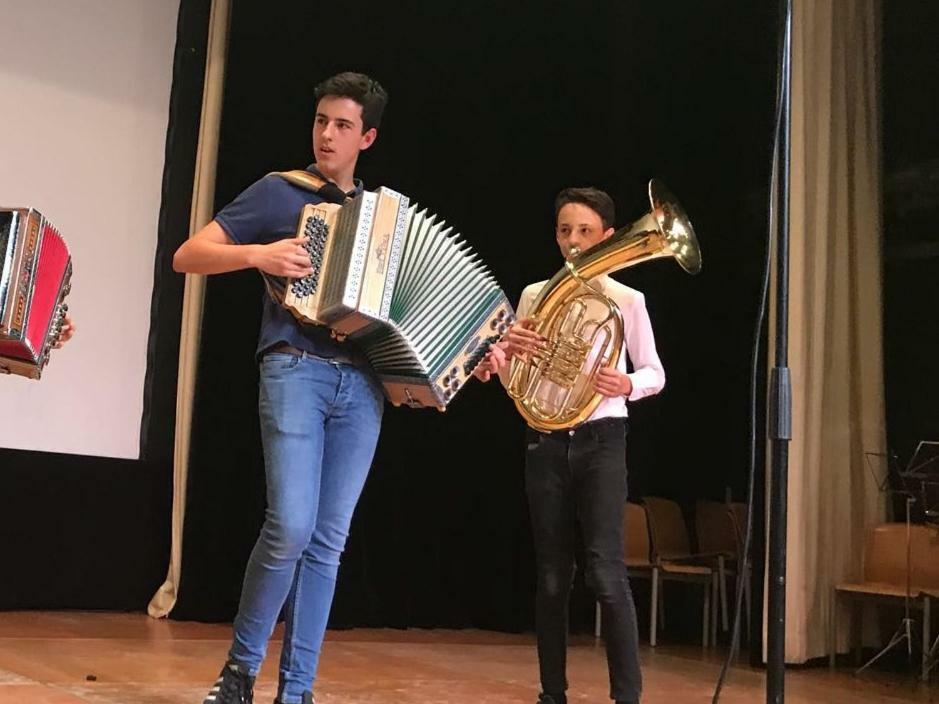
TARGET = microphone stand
x,y
780,409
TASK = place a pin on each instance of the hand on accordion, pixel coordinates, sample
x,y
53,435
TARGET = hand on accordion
x,y
494,361
68,330
285,257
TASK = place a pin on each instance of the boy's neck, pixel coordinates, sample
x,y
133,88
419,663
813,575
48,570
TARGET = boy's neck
x,y
345,181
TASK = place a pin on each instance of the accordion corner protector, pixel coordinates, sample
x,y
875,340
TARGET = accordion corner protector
x,y
35,278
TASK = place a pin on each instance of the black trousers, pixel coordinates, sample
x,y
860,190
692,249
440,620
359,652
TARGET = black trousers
x,y
571,475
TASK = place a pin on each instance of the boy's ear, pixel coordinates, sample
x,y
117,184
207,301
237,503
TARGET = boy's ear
x,y
368,138
609,231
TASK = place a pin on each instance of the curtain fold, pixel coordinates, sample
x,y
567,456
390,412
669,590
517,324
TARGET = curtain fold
x,y
835,321
203,201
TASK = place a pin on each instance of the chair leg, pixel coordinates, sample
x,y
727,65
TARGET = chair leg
x,y
597,625
857,630
746,594
707,614
715,607
654,606
926,634
722,575
832,627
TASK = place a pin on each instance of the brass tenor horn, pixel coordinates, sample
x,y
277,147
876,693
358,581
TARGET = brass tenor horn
x,y
553,388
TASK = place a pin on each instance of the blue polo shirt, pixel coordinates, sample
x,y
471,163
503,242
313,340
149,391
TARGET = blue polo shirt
x,y
267,211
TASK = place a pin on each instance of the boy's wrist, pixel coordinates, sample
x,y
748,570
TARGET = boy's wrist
x,y
251,252
627,386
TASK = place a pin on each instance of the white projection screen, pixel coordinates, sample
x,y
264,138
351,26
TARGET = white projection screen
x,y
84,101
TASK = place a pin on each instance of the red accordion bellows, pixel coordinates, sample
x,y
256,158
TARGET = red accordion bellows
x,y
35,271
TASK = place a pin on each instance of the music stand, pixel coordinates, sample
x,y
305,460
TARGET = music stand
x,y
904,631
891,470
922,472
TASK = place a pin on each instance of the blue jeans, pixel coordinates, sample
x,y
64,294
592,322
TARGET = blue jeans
x,y
319,425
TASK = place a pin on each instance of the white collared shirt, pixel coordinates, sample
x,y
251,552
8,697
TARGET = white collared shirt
x,y
648,375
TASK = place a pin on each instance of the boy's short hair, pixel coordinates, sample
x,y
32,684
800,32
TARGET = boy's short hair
x,y
366,91
595,199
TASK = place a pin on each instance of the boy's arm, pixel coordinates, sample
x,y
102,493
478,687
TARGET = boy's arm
x,y
521,315
649,375
498,360
212,251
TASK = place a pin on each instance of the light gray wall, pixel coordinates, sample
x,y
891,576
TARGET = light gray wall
x,y
84,97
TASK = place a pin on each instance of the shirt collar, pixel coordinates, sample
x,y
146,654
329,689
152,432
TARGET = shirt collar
x,y
356,190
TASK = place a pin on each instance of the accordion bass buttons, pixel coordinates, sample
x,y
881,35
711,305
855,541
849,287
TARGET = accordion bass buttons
x,y
502,321
57,324
477,355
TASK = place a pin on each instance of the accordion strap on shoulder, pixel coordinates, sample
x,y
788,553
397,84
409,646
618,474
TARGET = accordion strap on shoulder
x,y
328,190
304,179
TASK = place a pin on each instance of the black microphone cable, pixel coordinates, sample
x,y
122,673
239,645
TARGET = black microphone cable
x,y
744,560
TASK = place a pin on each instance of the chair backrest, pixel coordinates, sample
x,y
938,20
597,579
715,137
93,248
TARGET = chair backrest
x,y
739,513
885,556
716,528
638,546
925,558
667,528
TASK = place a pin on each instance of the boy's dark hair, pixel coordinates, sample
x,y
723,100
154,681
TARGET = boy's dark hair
x,y
366,91
595,199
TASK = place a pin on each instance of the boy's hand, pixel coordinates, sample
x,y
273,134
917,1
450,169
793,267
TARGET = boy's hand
x,y
522,339
611,382
492,363
68,329
284,258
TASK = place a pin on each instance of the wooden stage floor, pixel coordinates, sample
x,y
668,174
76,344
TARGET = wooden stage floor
x,y
73,658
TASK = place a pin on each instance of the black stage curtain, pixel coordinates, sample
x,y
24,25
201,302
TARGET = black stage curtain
x,y
494,108
911,239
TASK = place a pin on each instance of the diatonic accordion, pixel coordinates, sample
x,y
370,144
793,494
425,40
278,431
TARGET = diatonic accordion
x,y
35,275
404,287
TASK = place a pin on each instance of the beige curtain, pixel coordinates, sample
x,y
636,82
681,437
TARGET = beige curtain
x,y
203,196
835,316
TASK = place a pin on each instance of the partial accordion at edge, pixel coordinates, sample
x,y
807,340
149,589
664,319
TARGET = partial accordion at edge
x,y
35,276
404,287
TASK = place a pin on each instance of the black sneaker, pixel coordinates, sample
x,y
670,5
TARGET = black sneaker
x,y
233,686
307,699
548,699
